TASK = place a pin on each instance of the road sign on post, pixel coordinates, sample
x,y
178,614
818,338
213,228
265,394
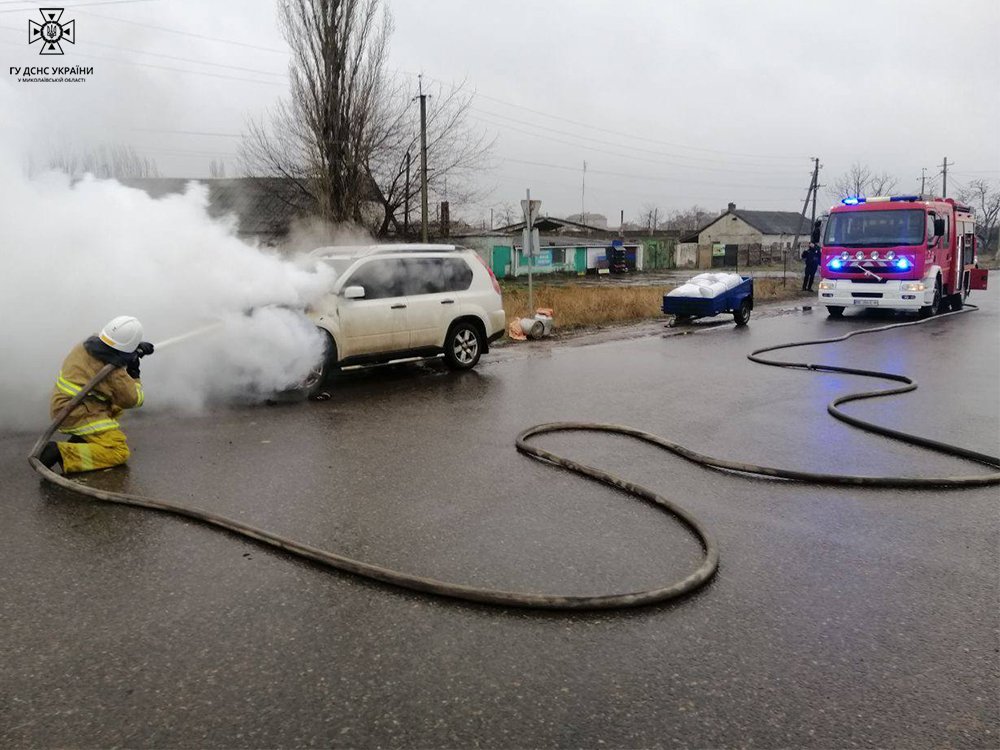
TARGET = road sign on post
x,y
530,210
531,244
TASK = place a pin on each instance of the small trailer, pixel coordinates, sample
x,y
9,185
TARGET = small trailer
x,y
738,301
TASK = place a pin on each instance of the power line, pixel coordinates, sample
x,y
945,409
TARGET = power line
x,y
160,67
78,5
185,33
651,196
188,59
761,169
618,132
188,132
616,153
649,177
185,152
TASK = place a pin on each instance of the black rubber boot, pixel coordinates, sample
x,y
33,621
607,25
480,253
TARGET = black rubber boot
x,y
50,455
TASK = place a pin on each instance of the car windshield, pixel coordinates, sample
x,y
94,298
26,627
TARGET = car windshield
x,y
339,265
875,228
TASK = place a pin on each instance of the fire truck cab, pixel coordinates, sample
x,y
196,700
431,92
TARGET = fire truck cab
x,y
901,252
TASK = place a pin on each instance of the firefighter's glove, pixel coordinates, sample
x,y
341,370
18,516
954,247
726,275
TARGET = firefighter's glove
x,y
144,349
133,367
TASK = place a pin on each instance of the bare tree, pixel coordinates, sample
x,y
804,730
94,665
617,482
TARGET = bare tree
x,y
217,169
861,180
505,214
648,218
690,219
985,200
882,184
323,138
343,137
853,182
109,162
457,153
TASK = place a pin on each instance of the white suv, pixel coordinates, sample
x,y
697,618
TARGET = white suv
x,y
402,302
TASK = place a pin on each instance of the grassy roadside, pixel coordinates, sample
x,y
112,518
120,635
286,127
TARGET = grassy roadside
x,y
578,307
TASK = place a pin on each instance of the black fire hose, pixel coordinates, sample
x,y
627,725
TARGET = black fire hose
x,y
691,582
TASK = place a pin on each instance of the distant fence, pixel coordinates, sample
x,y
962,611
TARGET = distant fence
x,y
744,255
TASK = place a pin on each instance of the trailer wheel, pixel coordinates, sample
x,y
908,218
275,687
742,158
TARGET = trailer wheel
x,y
835,311
742,313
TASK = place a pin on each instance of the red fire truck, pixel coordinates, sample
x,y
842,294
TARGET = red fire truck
x,y
902,252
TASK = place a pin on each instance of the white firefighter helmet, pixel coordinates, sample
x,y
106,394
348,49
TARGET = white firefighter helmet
x,y
123,333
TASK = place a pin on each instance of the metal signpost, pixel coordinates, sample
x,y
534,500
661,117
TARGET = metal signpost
x,y
530,209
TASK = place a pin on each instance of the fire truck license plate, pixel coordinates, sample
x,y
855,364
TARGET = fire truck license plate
x,y
866,302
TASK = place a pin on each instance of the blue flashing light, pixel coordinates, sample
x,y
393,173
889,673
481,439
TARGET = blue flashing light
x,y
853,200
896,198
903,264
836,264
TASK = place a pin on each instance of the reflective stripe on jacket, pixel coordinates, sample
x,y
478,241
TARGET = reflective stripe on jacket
x,y
99,410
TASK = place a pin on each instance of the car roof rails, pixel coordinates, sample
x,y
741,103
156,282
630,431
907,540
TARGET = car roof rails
x,y
358,251
413,248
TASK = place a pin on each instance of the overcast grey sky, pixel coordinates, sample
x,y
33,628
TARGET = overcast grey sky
x,y
670,103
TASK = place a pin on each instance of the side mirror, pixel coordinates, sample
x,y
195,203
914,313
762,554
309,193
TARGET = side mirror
x,y
938,227
354,292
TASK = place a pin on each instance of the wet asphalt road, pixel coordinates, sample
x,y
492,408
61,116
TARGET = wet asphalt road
x,y
839,617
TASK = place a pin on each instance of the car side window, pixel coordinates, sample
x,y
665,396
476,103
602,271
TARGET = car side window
x,y
435,275
421,276
457,275
381,278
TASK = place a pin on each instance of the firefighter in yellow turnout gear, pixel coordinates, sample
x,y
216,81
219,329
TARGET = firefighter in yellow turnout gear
x,y
95,441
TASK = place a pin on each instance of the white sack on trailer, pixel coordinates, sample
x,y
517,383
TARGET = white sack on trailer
x,y
685,290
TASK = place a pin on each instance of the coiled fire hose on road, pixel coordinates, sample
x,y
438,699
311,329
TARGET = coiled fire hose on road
x,y
686,585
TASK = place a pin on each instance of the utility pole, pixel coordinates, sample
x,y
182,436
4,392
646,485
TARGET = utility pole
x,y
805,205
944,178
816,187
491,219
923,180
406,200
423,161
583,194
656,220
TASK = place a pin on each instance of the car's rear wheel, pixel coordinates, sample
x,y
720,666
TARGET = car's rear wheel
x,y
463,346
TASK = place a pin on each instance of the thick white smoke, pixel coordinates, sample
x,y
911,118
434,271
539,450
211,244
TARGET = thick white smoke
x,y
75,255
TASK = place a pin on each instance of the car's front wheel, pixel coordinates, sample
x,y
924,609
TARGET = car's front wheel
x,y
321,372
463,346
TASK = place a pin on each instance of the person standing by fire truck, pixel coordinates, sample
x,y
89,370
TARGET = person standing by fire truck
x,y
811,256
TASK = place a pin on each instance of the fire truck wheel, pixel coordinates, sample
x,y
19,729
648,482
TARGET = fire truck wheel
x,y
835,311
934,307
